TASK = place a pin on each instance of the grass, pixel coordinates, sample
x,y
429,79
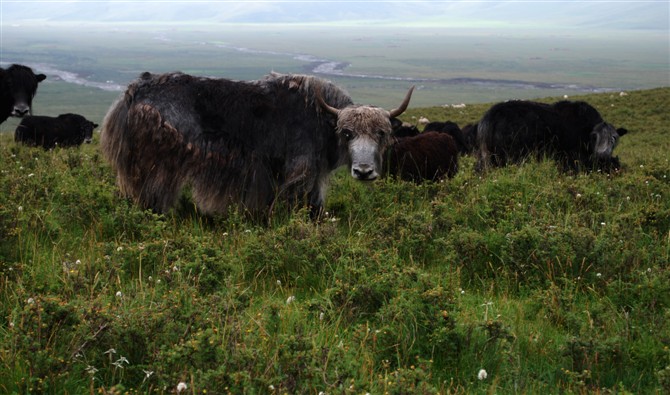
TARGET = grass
x,y
552,283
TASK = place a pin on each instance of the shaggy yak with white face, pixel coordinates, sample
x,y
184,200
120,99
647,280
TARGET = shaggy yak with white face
x,y
242,144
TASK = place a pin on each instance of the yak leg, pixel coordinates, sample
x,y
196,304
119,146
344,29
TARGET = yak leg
x,y
299,186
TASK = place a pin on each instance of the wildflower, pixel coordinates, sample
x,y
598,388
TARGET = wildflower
x,y
119,362
271,387
598,275
322,316
119,294
482,375
77,262
603,224
279,282
91,370
110,351
31,175
20,208
579,195
147,374
181,387
119,249
290,299
30,301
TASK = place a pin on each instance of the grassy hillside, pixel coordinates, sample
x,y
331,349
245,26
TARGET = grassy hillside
x,y
551,283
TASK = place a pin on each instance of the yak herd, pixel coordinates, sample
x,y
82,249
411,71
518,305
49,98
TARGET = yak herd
x,y
277,139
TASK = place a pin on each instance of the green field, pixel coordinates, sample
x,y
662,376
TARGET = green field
x,y
551,282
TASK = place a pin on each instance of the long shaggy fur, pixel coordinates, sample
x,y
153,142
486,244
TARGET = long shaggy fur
x,y
233,143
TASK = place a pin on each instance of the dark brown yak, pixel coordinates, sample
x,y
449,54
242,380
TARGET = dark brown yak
x,y
426,156
241,144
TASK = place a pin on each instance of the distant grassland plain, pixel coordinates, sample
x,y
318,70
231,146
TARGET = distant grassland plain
x,y
375,65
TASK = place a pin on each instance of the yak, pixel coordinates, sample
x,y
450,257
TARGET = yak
x,y
244,144
65,130
18,85
452,129
426,156
403,129
571,132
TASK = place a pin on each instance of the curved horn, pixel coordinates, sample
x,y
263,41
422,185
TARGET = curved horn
x,y
395,112
324,105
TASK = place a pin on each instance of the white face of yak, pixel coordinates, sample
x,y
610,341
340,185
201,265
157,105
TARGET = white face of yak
x,y
366,131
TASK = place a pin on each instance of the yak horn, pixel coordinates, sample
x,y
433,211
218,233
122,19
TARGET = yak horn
x,y
395,112
325,105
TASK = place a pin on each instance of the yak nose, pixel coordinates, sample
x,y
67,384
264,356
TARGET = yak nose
x,y
363,172
20,110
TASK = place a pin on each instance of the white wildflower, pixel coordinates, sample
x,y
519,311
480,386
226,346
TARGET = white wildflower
x,y
110,351
119,249
20,208
598,275
271,387
482,375
322,316
181,387
30,301
119,294
290,299
31,175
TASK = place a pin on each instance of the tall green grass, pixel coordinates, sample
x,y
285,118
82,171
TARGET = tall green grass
x,y
551,282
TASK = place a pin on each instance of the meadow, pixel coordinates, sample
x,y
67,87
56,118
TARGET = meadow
x,y
549,282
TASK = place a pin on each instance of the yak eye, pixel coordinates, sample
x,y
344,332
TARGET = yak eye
x,y
381,134
347,134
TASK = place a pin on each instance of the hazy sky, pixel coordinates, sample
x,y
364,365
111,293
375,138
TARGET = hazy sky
x,y
597,14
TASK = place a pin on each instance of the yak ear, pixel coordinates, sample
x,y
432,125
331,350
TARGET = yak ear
x,y
621,131
41,77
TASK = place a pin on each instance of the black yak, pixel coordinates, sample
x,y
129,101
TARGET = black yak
x,y
65,130
403,129
426,156
18,85
245,144
452,129
573,133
